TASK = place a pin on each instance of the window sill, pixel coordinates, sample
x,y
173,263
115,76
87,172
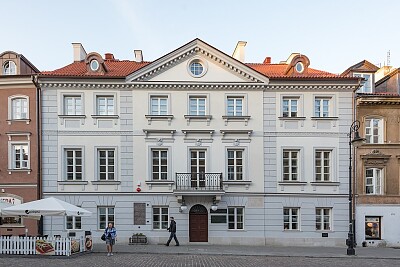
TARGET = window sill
x,y
72,116
19,170
291,183
105,116
325,118
228,183
73,182
236,118
292,118
206,118
160,183
237,230
12,225
27,121
325,183
151,118
106,182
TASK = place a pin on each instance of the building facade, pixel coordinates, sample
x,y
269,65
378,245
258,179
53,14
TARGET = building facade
x,y
19,139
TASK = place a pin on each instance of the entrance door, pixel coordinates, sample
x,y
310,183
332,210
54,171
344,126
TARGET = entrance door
x,y
198,168
198,224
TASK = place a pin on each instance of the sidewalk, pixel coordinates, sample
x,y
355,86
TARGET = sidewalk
x,y
314,252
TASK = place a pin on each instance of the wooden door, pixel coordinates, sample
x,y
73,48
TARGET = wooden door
x,y
198,224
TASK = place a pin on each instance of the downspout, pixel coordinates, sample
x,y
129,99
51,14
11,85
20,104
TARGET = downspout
x,y
39,146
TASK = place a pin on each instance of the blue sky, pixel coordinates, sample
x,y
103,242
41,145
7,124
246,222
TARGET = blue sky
x,y
333,34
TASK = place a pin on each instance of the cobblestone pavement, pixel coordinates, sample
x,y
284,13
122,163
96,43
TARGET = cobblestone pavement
x,y
168,260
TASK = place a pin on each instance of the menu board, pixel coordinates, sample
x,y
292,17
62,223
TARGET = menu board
x,y
88,243
44,247
75,246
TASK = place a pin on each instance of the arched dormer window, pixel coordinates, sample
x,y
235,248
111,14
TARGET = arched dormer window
x,y
18,107
9,68
95,63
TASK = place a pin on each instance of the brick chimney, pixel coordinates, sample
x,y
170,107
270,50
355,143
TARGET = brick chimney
x,y
109,56
267,60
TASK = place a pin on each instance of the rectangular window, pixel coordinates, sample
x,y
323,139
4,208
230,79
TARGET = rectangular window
x,y
235,218
290,165
290,107
322,165
20,156
159,164
72,105
323,218
234,106
367,87
74,223
197,106
106,163
321,107
19,108
373,181
159,105
235,164
372,227
106,215
160,218
374,131
291,218
73,164
105,105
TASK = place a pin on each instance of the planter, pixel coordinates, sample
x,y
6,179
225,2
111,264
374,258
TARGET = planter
x,y
138,240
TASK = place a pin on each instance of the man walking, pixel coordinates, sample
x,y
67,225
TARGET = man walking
x,y
172,230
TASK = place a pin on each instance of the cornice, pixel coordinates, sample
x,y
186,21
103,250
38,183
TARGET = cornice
x,y
332,87
304,134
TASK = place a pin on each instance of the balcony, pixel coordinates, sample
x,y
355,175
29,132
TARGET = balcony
x,y
198,182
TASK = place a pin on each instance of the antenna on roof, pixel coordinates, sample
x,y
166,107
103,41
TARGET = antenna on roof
x,y
388,58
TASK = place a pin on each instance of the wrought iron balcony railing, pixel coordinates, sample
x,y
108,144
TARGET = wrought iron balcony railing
x,y
199,181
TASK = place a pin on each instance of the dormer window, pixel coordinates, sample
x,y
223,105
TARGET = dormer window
x,y
299,67
9,68
367,86
94,65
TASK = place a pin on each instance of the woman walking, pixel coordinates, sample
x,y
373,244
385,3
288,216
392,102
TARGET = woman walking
x,y
111,235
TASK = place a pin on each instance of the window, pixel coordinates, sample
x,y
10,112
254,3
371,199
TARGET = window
x,y
373,181
235,218
94,65
321,107
299,67
290,165
9,68
106,159
197,67
74,223
289,107
105,105
323,218
160,164
367,87
372,227
72,105
322,165
197,106
234,106
74,164
20,156
374,130
291,218
235,164
19,108
159,105
160,218
106,215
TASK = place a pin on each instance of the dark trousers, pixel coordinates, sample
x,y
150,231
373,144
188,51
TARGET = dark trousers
x,y
173,235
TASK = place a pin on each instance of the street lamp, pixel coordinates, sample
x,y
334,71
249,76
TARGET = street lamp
x,y
356,142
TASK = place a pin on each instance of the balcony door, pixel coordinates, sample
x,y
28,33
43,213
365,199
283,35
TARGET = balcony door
x,y
197,168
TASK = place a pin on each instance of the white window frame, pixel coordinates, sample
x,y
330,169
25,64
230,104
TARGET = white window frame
x,y
11,155
98,149
290,219
160,214
106,97
13,67
158,111
236,111
235,166
290,158
107,214
11,109
323,166
320,101
197,111
65,156
369,131
291,99
74,97
368,83
160,172
74,222
375,182
236,222
320,213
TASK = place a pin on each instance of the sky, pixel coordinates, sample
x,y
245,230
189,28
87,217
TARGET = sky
x,y
334,34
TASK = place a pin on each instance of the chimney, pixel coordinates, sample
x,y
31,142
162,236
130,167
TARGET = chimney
x,y
109,56
239,51
138,55
267,60
79,52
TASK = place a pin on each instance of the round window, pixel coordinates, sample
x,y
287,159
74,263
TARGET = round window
x,y
94,65
196,68
299,67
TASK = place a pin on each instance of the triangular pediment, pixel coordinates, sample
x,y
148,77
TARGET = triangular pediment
x,y
217,67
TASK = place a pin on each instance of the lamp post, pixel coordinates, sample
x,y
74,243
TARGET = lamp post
x,y
356,142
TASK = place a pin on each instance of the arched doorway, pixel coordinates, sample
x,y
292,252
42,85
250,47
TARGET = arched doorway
x,y
198,224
